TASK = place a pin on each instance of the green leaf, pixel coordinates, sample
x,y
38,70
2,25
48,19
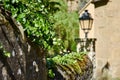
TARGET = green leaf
x,y
50,73
7,54
22,15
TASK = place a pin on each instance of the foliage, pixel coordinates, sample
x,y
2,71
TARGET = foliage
x,y
4,52
67,60
38,17
51,74
70,58
57,47
66,26
34,17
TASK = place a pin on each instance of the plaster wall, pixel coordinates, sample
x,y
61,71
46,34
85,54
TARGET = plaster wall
x,y
107,28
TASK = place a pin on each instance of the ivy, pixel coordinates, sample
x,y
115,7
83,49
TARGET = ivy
x,y
34,16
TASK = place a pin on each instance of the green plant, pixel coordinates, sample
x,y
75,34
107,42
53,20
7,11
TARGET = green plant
x,y
34,15
4,52
70,60
66,26
51,74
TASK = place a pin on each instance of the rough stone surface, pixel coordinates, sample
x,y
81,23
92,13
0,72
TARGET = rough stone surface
x,y
72,5
27,60
64,72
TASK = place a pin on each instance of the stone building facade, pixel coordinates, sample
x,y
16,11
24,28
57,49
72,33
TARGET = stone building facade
x,y
72,5
106,30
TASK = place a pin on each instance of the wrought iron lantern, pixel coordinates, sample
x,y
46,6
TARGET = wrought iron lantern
x,y
86,22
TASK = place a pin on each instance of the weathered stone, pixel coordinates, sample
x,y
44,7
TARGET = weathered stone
x,y
64,72
107,33
19,66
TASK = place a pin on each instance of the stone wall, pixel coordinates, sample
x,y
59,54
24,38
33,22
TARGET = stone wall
x,y
26,60
107,28
68,72
72,5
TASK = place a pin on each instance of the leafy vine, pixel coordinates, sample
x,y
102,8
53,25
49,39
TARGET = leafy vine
x,y
34,15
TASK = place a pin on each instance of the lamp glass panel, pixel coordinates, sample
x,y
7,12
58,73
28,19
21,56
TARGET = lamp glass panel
x,y
90,24
82,24
86,24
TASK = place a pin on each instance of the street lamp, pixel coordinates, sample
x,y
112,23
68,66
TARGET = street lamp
x,y
86,22
86,44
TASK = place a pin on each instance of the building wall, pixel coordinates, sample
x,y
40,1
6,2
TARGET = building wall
x,y
107,28
72,5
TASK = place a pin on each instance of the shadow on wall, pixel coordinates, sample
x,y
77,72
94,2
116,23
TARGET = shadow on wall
x,y
99,3
105,72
